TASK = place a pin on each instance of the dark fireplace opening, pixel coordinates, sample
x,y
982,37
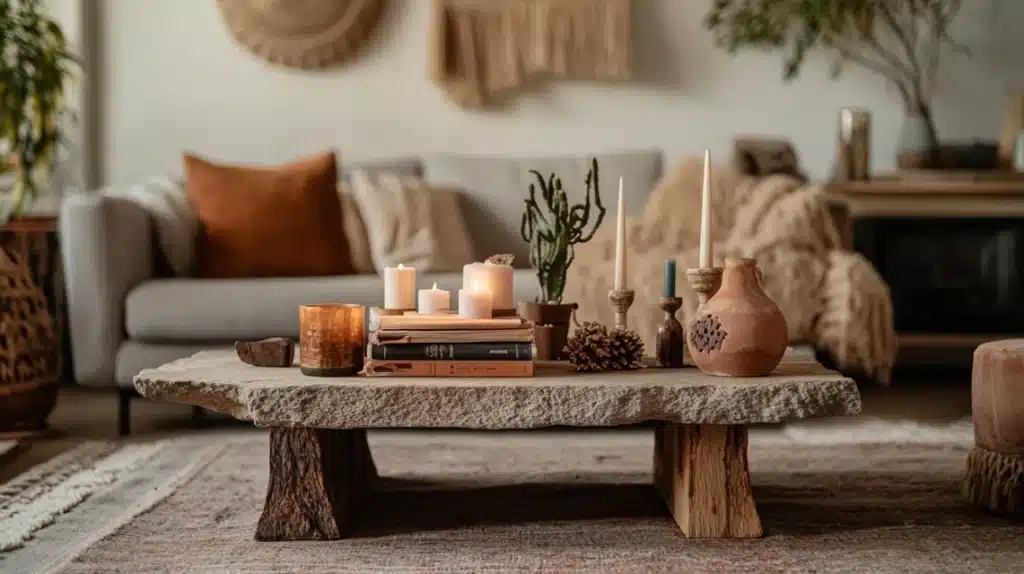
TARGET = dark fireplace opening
x,y
949,275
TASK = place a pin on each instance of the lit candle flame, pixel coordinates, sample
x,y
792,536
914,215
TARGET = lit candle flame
x,y
400,266
435,286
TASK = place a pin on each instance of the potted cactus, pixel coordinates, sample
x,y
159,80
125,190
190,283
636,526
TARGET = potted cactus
x,y
553,228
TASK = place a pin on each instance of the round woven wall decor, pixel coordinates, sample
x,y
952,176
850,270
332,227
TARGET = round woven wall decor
x,y
301,33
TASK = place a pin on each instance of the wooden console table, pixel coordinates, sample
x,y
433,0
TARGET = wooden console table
x,y
976,202
320,462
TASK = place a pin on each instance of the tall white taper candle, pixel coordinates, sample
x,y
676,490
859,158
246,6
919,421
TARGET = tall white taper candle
x,y
706,256
620,244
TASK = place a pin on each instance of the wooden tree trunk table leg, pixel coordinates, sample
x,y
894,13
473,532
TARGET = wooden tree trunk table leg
x,y
316,478
701,472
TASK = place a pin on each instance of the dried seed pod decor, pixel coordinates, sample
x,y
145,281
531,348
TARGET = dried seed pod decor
x,y
593,348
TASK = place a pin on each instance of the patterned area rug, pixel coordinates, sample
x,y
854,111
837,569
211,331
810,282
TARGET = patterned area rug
x,y
544,501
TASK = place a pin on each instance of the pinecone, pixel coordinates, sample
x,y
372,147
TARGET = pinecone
x,y
593,348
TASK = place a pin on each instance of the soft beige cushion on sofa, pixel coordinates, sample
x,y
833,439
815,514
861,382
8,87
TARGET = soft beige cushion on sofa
x,y
355,231
493,190
175,222
410,223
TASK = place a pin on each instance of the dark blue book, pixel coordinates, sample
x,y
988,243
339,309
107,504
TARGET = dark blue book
x,y
453,352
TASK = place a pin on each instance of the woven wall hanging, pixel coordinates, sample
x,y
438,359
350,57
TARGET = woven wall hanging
x,y
486,50
301,33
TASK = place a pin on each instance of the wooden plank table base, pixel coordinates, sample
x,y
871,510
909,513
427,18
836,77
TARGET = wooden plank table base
x,y
701,473
317,477
320,461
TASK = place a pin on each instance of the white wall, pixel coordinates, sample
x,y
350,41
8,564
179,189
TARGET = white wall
x,y
173,79
75,165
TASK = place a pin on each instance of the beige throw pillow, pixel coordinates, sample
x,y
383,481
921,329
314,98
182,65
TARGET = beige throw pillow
x,y
410,223
355,231
174,220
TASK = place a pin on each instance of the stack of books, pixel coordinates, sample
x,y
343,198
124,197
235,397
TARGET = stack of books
x,y
449,346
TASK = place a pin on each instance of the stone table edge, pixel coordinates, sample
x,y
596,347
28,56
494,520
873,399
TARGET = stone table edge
x,y
246,404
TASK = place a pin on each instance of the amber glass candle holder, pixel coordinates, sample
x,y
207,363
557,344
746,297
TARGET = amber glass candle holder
x,y
331,339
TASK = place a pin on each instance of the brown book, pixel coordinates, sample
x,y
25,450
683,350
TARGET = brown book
x,y
506,369
524,335
440,323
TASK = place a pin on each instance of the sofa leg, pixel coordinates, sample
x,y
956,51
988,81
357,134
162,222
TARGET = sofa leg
x,y
124,411
198,417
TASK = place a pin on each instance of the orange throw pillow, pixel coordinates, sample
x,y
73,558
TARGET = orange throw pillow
x,y
281,221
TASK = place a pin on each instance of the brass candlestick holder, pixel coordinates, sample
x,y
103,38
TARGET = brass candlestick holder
x,y
621,300
705,282
670,335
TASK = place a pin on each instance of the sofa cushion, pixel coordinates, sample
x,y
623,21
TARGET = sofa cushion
x,y
212,310
174,220
282,221
411,223
494,190
355,231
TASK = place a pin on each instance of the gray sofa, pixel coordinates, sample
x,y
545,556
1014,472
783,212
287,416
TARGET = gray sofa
x,y
125,315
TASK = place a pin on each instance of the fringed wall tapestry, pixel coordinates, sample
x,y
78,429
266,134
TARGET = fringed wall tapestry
x,y
484,50
302,33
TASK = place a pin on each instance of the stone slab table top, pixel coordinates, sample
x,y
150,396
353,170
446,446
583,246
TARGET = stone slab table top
x,y
283,397
321,466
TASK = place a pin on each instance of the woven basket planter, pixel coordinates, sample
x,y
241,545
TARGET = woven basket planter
x,y
29,353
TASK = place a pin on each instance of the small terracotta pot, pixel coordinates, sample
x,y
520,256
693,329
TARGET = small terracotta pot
x,y
542,343
554,315
740,331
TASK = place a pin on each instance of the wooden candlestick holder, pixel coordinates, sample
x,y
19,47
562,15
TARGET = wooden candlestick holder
x,y
671,341
705,282
622,300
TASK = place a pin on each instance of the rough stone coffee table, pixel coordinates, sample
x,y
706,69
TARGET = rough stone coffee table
x,y
320,462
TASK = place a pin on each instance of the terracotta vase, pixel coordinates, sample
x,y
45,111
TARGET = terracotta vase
x,y
551,344
740,331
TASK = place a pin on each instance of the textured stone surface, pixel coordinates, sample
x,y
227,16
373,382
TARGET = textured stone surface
x,y
217,380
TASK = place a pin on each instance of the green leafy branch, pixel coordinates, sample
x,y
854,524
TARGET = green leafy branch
x,y
901,40
35,68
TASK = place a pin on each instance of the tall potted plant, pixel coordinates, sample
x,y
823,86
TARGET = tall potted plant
x,y
553,228
901,40
34,75
35,66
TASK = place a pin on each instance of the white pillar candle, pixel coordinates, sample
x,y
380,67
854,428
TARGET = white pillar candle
x,y
475,303
498,279
400,287
706,256
620,244
433,301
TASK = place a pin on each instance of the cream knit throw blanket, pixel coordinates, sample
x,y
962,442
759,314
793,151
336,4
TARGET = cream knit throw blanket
x,y
831,298
483,49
